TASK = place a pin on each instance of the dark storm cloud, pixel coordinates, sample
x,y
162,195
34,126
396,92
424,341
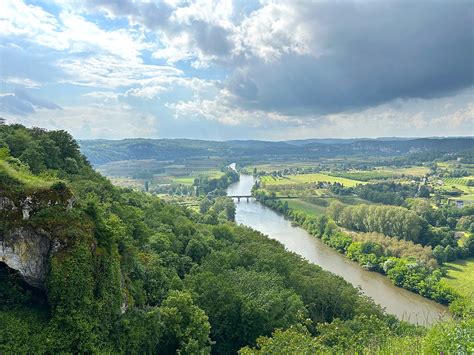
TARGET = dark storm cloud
x,y
21,103
370,53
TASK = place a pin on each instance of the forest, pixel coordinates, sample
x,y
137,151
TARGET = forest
x,y
129,273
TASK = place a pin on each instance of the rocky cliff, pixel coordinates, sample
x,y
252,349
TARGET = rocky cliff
x,y
24,247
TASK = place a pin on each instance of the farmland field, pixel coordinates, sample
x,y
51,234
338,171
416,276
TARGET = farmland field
x,y
461,277
459,184
410,171
189,180
306,207
307,178
361,175
458,181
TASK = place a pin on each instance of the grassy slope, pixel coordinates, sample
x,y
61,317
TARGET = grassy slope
x,y
24,177
461,277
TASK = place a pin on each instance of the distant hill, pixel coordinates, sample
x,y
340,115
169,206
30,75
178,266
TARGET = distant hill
x,y
104,151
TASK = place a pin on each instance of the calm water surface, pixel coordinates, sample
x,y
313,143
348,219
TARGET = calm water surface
x,y
402,303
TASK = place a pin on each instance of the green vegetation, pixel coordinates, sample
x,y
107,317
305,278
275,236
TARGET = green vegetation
x,y
460,277
305,207
369,336
131,273
408,242
19,174
366,175
417,171
268,181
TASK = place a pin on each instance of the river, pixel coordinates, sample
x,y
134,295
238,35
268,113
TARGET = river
x,y
404,304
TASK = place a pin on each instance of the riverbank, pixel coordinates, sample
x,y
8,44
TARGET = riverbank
x,y
405,305
422,278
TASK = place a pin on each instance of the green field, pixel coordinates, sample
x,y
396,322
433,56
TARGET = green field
x,y
458,181
461,277
365,175
410,171
306,207
454,164
307,178
189,180
275,166
460,184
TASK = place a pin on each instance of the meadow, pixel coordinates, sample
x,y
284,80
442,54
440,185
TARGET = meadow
x,y
461,277
306,207
361,175
189,180
307,178
459,185
417,171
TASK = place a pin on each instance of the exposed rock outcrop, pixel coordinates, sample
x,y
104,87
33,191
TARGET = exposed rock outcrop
x,y
22,247
27,252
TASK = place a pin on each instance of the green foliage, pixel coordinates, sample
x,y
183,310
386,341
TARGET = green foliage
x,y
245,304
451,338
24,331
130,273
361,335
389,220
186,326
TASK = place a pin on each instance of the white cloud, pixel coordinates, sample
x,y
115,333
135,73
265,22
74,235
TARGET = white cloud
x,y
221,110
20,19
150,88
112,122
112,72
93,56
275,29
69,32
23,82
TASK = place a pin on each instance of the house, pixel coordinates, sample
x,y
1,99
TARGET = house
x,y
459,204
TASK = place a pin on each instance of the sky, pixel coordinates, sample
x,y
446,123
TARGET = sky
x,y
272,70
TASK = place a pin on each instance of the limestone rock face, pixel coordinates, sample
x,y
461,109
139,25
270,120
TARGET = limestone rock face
x,y
23,248
27,252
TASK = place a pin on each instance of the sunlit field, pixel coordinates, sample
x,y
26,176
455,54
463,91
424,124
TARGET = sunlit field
x,y
461,277
307,178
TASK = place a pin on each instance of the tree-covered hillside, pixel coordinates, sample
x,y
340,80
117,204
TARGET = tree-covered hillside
x,y
118,271
104,151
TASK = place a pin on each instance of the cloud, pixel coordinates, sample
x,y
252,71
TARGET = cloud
x,y
111,72
67,32
218,109
92,121
22,82
200,31
21,103
303,57
327,57
300,67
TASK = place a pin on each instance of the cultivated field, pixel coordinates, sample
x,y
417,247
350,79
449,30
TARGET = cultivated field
x,y
306,207
307,178
417,171
461,277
